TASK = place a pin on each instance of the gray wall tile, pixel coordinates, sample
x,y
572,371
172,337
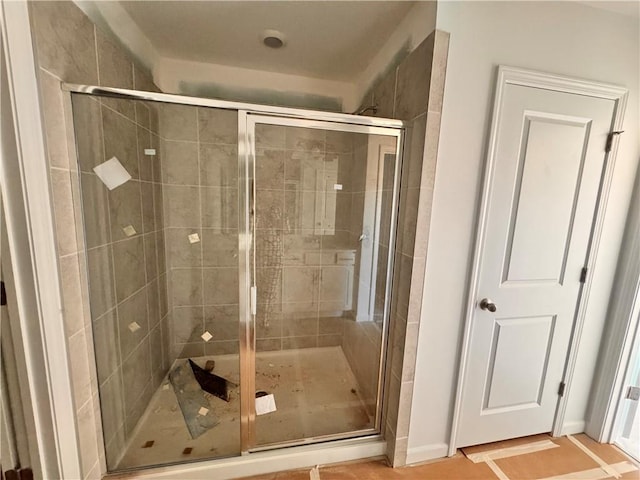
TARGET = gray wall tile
x,y
218,126
220,286
101,280
64,212
182,206
414,79
128,259
120,140
180,251
130,312
186,287
105,339
135,369
178,122
64,39
125,209
95,201
88,131
180,163
72,300
53,114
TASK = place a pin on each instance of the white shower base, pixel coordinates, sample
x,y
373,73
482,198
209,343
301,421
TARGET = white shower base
x,y
315,391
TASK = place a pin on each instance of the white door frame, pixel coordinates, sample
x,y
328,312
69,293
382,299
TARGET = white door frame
x,y
528,78
623,319
622,409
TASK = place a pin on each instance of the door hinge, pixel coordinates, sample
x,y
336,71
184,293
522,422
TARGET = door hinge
x,y
583,275
633,393
3,294
561,389
607,147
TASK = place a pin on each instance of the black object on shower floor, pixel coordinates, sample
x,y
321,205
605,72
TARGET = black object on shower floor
x,y
210,382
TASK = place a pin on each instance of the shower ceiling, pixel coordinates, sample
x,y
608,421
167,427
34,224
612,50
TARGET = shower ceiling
x,y
327,39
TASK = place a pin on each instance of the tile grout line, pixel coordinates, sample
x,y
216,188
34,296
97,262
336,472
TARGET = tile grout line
x,y
200,226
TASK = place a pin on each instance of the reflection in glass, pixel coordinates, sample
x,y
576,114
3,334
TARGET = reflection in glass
x,y
163,272
323,217
162,254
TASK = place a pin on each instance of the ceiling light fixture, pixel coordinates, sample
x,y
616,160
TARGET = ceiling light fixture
x,y
273,39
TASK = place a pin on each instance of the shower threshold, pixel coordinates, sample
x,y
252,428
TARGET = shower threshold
x,y
316,394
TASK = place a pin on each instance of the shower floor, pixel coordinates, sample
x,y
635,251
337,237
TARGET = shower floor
x,y
315,392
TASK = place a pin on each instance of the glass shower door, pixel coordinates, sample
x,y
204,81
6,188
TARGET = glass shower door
x,y
260,256
159,192
324,198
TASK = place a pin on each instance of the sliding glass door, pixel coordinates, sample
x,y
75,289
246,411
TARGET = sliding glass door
x,y
321,198
238,269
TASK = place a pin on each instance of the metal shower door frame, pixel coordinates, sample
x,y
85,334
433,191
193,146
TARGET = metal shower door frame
x,y
248,116
247,121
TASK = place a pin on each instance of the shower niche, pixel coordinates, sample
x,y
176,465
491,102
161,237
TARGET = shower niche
x,y
255,243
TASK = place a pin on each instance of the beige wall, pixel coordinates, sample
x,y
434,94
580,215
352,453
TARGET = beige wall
x,y
69,48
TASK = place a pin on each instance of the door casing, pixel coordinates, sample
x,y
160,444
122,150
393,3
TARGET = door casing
x,y
528,78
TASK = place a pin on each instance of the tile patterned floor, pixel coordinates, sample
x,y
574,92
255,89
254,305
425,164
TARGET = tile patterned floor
x,y
315,391
531,458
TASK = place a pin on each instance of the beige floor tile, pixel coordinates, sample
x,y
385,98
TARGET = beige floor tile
x,y
315,391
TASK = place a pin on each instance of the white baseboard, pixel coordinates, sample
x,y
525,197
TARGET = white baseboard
x,y
427,452
440,450
265,462
571,428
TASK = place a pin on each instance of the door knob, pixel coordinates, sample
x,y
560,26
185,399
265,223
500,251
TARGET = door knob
x,y
487,304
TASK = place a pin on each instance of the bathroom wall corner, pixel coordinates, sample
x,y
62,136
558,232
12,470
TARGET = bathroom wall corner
x,y
418,100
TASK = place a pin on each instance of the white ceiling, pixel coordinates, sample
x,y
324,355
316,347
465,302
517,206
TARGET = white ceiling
x,y
328,39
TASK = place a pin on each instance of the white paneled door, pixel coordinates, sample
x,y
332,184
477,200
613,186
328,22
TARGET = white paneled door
x,y
546,167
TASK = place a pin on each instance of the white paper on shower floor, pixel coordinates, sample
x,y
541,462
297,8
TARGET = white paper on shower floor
x,y
266,404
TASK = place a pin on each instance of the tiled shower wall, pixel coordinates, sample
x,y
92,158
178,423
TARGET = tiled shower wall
x,y
413,91
304,249
200,184
70,48
127,273
301,257
362,339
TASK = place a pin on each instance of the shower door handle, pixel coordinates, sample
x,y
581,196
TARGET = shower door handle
x,y
252,206
254,300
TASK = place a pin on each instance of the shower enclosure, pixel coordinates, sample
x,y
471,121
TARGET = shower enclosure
x,y
255,241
